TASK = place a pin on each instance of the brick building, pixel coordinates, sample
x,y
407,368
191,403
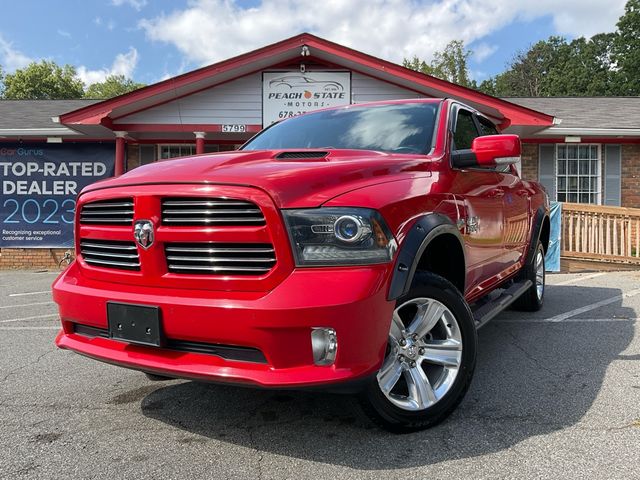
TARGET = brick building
x,y
584,150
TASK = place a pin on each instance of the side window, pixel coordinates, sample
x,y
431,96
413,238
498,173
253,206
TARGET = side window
x,y
465,131
486,127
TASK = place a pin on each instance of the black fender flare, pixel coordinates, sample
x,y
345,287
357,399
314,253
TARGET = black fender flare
x,y
422,232
536,230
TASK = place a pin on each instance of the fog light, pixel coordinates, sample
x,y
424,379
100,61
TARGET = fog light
x,y
324,344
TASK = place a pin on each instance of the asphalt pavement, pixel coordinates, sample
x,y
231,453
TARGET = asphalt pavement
x,y
556,395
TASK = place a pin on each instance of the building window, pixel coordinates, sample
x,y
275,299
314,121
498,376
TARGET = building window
x,y
147,154
578,173
172,151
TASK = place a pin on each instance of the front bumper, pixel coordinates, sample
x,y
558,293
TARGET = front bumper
x,y
278,323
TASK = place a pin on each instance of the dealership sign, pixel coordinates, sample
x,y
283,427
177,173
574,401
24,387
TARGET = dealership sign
x,y
287,94
39,184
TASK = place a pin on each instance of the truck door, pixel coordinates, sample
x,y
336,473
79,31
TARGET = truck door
x,y
515,204
482,222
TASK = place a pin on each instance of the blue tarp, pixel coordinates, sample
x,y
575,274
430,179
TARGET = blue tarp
x,y
552,259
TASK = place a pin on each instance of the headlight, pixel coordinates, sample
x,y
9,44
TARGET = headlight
x,y
339,236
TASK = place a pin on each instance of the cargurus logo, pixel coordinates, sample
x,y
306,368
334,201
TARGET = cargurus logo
x,y
22,152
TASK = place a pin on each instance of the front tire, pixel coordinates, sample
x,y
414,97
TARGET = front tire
x,y
429,361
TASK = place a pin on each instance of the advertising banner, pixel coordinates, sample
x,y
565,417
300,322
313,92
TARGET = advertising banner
x,y
287,94
39,184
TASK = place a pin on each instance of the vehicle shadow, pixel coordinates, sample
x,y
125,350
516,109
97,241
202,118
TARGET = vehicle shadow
x,y
531,379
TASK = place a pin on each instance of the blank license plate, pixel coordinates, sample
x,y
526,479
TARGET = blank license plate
x,y
134,323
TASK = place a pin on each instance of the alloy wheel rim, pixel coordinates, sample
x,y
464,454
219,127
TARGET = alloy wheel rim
x,y
540,275
423,356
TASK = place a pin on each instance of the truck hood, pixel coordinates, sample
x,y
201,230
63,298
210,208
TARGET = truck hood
x,y
290,179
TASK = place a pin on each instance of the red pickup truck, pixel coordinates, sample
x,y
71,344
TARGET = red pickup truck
x,y
356,249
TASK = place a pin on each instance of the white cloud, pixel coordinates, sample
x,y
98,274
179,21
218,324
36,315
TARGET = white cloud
x,y
64,33
483,51
211,30
137,4
123,64
10,58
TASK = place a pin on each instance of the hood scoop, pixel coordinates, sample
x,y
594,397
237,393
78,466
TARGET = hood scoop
x,y
301,155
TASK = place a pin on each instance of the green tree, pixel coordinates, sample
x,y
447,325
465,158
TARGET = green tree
x,y
112,86
418,65
527,72
1,82
43,80
449,64
626,52
585,68
488,86
554,67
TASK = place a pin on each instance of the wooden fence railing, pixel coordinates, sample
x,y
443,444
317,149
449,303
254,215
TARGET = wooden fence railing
x,y
595,232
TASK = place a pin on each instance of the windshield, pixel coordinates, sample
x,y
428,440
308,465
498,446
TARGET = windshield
x,y
401,128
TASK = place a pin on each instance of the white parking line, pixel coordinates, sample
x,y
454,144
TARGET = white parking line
x,y
568,320
578,279
28,293
592,306
36,317
26,304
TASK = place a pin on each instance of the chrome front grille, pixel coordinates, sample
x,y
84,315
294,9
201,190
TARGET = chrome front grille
x,y
115,211
210,211
220,258
110,254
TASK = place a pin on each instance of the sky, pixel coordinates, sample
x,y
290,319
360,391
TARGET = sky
x,y
151,40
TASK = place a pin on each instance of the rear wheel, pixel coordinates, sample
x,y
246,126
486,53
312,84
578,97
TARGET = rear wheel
x,y
533,299
429,361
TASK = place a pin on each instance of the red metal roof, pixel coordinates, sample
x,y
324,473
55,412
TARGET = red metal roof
x,y
102,113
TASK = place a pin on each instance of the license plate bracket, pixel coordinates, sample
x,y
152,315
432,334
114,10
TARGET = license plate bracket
x,y
138,324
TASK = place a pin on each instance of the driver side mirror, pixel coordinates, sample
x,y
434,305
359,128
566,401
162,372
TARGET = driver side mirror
x,y
489,151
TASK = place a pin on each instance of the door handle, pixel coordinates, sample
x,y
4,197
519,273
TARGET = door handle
x,y
496,193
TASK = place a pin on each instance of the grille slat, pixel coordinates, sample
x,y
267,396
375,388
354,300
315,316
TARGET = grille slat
x,y
210,211
111,263
109,247
206,203
108,212
229,270
217,258
111,212
220,250
115,255
220,221
95,206
213,260
110,254
104,221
